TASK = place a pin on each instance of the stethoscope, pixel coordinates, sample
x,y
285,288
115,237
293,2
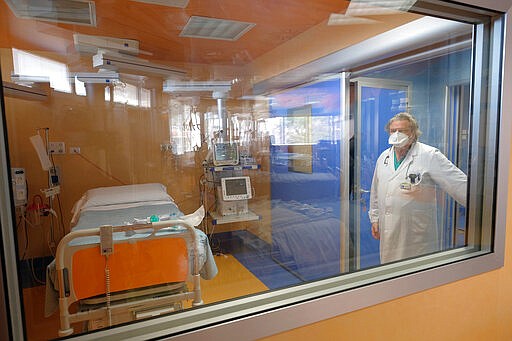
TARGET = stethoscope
x,y
386,160
414,179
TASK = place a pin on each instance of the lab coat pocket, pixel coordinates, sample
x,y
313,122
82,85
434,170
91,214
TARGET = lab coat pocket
x,y
412,183
421,220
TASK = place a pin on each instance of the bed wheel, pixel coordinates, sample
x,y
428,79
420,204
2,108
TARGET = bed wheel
x,y
65,332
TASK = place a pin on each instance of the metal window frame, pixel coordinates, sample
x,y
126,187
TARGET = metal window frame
x,y
254,317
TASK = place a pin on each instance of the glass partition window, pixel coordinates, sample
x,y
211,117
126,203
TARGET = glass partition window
x,y
243,173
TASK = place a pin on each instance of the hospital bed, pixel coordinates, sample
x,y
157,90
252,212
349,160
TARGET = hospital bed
x,y
130,255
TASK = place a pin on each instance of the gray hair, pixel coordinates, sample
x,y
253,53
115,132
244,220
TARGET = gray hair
x,y
405,116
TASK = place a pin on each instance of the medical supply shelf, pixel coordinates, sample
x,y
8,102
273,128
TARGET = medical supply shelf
x,y
218,219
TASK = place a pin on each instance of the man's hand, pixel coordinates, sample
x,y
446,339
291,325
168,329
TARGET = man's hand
x,y
375,231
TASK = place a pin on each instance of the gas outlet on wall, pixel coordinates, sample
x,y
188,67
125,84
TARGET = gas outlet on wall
x,y
56,147
74,150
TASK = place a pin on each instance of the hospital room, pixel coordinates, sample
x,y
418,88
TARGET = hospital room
x,y
170,156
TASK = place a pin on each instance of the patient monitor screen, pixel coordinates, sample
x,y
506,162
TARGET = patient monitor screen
x,y
236,188
225,154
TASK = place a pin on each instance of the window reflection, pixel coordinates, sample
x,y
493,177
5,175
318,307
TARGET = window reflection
x,y
130,94
29,66
80,88
185,127
306,153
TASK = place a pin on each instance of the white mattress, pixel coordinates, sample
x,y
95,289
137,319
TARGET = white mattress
x,y
125,214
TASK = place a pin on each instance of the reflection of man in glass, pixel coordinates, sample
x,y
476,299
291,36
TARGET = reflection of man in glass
x,y
403,209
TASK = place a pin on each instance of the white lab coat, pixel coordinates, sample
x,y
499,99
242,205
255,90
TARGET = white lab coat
x,y
406,213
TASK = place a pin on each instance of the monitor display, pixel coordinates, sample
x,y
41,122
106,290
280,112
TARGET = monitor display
x,y
236,188
225,154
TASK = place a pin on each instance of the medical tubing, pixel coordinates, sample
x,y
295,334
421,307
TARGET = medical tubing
x,y
33,271
61,218
102,170
407,170
25,231
52,242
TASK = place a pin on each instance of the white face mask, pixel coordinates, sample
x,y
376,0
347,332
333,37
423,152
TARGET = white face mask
x,y
398,139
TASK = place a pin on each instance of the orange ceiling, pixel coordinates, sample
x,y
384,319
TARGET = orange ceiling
x,y
157,28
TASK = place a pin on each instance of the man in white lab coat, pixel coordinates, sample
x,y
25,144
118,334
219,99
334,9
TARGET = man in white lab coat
x,y
403,208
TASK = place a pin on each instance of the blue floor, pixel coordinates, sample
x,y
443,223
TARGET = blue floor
x,y
254,254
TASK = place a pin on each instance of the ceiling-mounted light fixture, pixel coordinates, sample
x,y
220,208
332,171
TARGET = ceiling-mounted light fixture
x,y
85,43
102,77
117,62
196,86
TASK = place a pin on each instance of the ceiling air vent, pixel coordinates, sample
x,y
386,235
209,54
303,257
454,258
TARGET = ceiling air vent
x,y
211,28
79,12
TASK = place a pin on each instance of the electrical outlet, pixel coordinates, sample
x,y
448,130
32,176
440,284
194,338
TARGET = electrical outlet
x,y
166,147
74,150
56,147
